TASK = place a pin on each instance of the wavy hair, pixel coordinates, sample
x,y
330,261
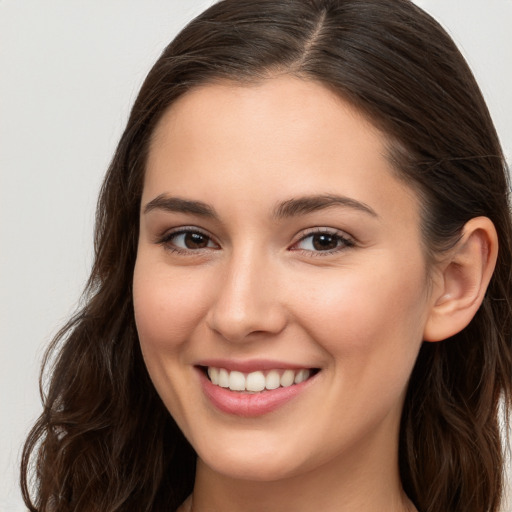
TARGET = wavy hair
x,y
105,441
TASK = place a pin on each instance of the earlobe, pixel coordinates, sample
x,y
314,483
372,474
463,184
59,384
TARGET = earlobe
x,y
462,280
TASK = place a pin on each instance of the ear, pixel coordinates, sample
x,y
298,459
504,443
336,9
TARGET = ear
x,y
461,280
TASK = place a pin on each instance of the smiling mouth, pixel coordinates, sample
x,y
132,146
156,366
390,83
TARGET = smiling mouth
x,y
258,381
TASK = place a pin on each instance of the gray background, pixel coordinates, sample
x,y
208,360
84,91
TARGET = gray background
x,y
69,71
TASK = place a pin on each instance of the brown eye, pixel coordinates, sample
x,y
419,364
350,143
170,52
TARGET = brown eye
x,y
324,242
188,241
195,240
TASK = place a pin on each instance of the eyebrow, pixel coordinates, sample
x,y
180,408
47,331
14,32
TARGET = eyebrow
x,y
179,205
310,204
290,208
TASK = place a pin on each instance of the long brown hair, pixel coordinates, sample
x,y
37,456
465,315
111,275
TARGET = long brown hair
x,y
105,442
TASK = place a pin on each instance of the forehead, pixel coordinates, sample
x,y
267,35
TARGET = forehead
x,y
287,101
278,138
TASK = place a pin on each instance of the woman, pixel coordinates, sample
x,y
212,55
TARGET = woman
x,y
298,300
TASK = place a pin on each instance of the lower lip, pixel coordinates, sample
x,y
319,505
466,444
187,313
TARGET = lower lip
x,y
250,405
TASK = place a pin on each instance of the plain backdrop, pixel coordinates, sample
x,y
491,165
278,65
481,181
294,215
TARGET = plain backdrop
x,y
69,72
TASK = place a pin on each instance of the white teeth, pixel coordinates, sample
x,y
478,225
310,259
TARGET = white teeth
x,y
301,376
257,381
287,378
213,373
272,380
223,378
236,381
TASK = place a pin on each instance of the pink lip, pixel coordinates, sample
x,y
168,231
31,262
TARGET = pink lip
x,y
249,366
250,405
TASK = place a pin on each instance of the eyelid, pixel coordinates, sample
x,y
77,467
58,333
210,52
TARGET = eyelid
x,y
166,237
348,240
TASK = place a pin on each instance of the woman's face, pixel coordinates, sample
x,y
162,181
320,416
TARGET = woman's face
x,y
277,244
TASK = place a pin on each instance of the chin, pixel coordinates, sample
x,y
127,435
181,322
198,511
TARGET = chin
x,y
259,458
256,469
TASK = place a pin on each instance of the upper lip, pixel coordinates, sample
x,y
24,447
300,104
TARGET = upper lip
x,y
252,365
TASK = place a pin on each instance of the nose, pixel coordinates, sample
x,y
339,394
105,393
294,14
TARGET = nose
x,y
246,303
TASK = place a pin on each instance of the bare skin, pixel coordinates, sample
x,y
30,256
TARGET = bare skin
x,y
274,229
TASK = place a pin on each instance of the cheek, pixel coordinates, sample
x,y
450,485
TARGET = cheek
x,y
372,333
168,305
368,314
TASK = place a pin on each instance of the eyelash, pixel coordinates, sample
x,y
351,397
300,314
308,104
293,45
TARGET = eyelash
x,y
343,242
166,240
